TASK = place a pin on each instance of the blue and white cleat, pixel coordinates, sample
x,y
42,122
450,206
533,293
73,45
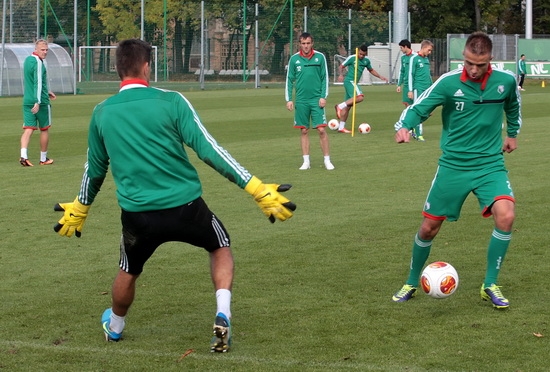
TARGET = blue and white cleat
x,y
105,323
221,341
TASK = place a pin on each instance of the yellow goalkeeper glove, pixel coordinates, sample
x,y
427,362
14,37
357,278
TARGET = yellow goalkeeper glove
x,y
73,219
273,204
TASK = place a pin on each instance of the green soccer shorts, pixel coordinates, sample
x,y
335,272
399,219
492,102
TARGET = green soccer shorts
x,y
451,187
41,120
349,87
309,115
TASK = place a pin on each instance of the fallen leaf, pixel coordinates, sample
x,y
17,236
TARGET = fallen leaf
x,y
187,352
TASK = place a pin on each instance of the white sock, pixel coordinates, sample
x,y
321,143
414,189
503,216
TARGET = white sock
x,y
306,158
223,301
342,105
117,323
43,155
327,158
24,154
342,125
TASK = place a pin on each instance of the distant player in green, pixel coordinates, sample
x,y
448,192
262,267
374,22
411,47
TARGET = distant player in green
x,y
37,113
522,70
473,101
140,133
405,46
351,83
307,74
419,78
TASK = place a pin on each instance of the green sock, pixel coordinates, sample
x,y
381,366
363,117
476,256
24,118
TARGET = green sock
x,y
420,253
500,240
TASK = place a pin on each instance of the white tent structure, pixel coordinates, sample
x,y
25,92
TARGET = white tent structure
x,y
58,64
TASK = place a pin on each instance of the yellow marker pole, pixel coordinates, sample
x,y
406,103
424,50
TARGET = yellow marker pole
x,y
354,92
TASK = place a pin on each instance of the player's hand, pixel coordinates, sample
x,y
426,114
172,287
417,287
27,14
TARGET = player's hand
x,y
73,219
273,204
402,136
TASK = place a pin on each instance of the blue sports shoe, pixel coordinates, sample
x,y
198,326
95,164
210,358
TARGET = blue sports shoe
x,y
221,341
404,294
105,322
493,294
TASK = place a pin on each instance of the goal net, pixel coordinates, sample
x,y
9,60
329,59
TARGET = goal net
x,y
364,79
97,63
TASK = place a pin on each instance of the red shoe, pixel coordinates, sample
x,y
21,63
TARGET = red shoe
x,y
46,162
344,130
338,111
25,162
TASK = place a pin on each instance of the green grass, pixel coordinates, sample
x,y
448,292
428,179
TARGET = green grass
x,y
310,294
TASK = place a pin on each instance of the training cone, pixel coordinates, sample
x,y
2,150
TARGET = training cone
x,y
543,84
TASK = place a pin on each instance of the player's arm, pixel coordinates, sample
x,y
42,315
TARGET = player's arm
x,y
376,74
95,171
195,135
512,110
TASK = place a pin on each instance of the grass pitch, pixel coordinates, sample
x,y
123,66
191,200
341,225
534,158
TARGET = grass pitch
x,y
310,294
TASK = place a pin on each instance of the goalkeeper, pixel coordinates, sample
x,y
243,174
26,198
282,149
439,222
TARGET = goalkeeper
x,y
140,133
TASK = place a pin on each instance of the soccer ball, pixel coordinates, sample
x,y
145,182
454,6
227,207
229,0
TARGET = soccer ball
x,y
439,279
364,128
333,124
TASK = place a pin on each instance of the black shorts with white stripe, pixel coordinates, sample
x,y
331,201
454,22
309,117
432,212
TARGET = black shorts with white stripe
x,y
144,232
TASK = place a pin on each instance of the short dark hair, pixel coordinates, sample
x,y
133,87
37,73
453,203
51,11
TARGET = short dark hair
x,y
523,55
305,35
405,43
131,54
479,43
364,48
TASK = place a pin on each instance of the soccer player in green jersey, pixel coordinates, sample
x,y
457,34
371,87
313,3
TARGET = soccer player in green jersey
x,y
405,46
419,78
350,83
522,70
473,100
140,133
36,103
307,74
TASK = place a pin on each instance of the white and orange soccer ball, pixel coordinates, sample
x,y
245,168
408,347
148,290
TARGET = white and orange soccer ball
x,y
439,279
333,124
364,128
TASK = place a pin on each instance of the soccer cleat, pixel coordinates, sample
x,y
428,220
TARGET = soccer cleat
x,y
105,323
420,139
344,130
25,162
46,162
493,294
305,166
338,111
412,133
404,294
329,165
221,341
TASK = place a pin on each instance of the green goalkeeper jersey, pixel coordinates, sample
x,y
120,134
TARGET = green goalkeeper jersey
x,y
35,81
362,64
309,75
140,133
472,116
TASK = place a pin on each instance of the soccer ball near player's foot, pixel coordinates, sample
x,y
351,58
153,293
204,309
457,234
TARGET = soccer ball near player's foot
x,y
439,279
364,128
333,124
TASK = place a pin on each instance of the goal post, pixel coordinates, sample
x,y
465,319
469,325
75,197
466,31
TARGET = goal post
x,y
97,63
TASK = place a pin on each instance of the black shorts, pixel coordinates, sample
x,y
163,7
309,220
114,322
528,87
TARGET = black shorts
x,y
144,232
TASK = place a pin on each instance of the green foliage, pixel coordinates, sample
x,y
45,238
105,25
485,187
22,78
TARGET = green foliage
x,y
310,294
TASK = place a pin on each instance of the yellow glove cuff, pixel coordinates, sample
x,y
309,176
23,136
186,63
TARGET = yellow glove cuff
x,y
78,207
252,185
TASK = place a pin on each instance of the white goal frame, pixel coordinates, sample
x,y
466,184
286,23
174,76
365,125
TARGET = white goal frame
x,y
82,48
